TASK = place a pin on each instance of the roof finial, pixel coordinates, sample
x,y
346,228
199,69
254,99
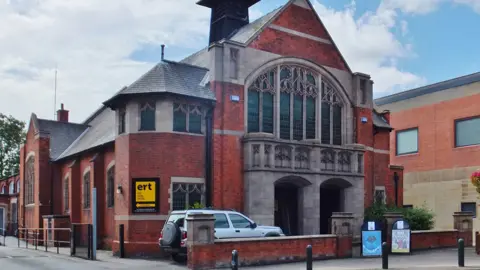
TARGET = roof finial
x,y
163,51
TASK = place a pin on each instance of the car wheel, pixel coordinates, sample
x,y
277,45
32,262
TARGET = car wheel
x,y
179,258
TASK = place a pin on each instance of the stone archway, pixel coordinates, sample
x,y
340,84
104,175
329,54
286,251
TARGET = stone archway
x,y
288,204
332,199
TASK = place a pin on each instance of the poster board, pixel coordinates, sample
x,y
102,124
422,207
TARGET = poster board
x,y
401,237
145,195
371,239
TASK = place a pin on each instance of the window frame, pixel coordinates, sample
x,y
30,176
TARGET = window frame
x,y
398,132
187,198
110,190
469,203
188,110
122,120
144,106
66,194
455,125
11,187
382,189
86,194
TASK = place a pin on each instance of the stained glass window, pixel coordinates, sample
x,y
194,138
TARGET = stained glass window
x,y
253,111
337,125
310,115
285,116
298,117
267,110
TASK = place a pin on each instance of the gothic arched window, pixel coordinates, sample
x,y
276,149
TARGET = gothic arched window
x,y
30,181
285,99
147,116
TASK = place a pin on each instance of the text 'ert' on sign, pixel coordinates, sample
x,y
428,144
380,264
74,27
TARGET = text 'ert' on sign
x,y
145,195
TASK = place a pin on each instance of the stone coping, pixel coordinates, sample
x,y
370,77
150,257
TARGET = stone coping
x,y
436,231
280,238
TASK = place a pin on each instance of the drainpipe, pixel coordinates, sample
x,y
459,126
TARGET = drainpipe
x,y
208,157
373,165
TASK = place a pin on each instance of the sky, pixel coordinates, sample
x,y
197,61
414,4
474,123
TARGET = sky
x,y
97,47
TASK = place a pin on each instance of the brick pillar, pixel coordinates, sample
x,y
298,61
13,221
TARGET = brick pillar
x,y
390,219
200,241
463,222
342,226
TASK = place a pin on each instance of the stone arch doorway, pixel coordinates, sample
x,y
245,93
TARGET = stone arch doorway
x,y
287,210
332,199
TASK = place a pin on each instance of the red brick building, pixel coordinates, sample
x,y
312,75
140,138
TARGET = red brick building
x,y
268,119
437,140
9,190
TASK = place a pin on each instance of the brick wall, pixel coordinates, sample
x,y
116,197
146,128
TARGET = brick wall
x,y
438,239
261,251
436,138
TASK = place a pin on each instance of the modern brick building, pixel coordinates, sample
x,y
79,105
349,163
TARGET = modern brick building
x,y
437,140
9,190
268,119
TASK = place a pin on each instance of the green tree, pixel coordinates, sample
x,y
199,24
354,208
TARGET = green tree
x,y
12,135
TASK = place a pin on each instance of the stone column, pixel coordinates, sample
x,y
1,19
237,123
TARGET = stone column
x,y
201,241
463,222
390,219
311,209
342,225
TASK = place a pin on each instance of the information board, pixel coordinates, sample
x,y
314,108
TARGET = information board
x,y
401,239
145,195
371,239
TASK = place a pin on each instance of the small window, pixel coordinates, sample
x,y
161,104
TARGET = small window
x,y
11,188
380,196
408,206
4,190
363,91
233,63
407,141
186,195
147,116
86,191
18,186
467,132
110,187
239,221
469,207
121,121
221,221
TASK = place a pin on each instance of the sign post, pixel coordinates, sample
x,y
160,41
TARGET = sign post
x,y
401,240
145,195
371,239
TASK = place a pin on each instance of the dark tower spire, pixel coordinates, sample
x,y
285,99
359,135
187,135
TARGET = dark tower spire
x,y
227,16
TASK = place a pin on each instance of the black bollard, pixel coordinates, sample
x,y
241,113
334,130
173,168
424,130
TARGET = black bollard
x,y
384,255
122,240
234,260
461,253
309,257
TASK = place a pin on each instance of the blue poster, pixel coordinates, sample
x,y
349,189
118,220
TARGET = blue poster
x,y
371,243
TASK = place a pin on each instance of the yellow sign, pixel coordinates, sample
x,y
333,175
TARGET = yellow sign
x,y
145,191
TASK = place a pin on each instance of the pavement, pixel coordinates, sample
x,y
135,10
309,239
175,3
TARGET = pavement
x,y
13,257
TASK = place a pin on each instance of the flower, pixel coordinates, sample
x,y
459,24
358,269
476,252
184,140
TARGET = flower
x,y
476,178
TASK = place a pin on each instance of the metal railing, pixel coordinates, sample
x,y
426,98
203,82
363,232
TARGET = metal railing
x,y
52,237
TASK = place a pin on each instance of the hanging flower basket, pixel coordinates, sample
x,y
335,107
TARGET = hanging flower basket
x,y
476,180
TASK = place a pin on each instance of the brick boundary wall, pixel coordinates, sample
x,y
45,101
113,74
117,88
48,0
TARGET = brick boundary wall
x,y
431,239
263,251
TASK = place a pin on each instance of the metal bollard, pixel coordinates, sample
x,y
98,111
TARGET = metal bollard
x,y
46,241
4,237
384,255
121,238
461,253
35,232
26,238
234,260
58,243
309,257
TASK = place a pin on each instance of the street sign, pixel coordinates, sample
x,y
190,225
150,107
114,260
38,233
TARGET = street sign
x,y
371,239
145,194
401,239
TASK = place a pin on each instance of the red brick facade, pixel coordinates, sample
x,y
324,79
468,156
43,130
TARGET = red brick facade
x,y
9,203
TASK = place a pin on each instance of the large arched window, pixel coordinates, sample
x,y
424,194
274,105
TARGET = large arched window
x,y
30,181
292,100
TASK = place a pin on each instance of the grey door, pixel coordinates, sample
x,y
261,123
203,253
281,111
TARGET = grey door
x,y
2,219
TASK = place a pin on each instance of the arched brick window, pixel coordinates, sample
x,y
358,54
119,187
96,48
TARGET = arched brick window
x,y
308,105
30,181
86,190
111,187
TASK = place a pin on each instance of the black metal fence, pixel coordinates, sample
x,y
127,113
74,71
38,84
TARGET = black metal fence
x,y
82,241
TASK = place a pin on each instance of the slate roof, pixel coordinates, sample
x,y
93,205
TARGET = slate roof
x,y
379,121
428,89
171,77
100,131
62,134
244,34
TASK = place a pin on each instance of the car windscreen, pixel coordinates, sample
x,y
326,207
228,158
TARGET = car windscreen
x,y
177,218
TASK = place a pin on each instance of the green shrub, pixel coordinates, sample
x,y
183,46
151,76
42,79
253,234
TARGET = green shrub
x,y
419,218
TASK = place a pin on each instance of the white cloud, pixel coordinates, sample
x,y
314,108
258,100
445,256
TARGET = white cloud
x,y
370,46
90,41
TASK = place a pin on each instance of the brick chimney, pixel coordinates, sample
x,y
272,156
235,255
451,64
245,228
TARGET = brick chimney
x,y
62,114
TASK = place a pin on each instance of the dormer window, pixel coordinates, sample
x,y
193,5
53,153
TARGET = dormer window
x,y
187,118
147,116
